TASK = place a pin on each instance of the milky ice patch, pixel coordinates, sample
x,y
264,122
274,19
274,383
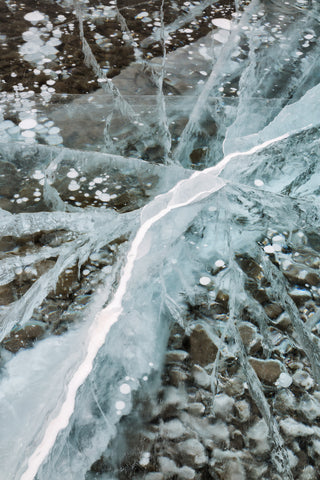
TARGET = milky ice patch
x,y
221,36
28,134
54,139
204,53
222,23
54,130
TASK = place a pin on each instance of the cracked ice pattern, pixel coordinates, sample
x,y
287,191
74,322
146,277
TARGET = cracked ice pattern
x,y
182,194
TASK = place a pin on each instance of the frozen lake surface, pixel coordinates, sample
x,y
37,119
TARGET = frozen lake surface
x,y
159,262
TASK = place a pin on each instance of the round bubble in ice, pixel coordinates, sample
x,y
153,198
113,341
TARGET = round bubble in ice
x,y
27,123
34,17
125,388
120,405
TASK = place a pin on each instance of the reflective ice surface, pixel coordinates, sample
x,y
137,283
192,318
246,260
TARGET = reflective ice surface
x,y
159,270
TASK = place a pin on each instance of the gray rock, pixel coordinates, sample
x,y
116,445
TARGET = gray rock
x,y
228,465
202,348
292,428
237,440
154,476
196,408
243,410
234,470
303,379
168,467
220,434
300,296
273,310
285,402
177,376
259,433
310,407
200,376
175,397
23,338
234,386
248,334
173,429
283,321
186,473
223,406
300,275
192,453
175,356
267,370
308,473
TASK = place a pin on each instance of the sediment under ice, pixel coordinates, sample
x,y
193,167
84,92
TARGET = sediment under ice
x,y
162,227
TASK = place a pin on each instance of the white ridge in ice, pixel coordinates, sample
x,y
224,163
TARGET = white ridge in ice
x,y
202,184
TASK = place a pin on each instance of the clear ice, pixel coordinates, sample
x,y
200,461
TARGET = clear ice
x,y
157,202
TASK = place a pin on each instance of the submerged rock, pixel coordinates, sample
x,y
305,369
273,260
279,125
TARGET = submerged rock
x,y
168,467
202,348
174,356
177,376
154,476
292,428
242,408
223,405
308,473
23,338
196,408
200,376
173,429
259,435
267,370
192,453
